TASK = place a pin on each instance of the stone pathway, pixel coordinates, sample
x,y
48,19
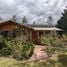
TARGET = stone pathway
x,y
39,53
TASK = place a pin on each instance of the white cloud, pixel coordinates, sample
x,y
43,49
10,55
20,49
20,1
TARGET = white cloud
x,y
38,10
10,2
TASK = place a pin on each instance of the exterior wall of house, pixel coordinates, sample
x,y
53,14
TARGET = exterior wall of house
x,y
8,27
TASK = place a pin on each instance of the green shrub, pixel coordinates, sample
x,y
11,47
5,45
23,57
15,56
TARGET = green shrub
x,y
55,43
2,42
27,50
63,59
16,48
5,51
20,49
45,39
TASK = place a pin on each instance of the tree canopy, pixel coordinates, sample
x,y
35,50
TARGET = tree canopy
x,y
50,20
62,23
24,20
14,18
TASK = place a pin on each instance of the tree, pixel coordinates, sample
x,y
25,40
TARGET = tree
x,y
62,23
34,22
24,20
1,19
14,18
50,19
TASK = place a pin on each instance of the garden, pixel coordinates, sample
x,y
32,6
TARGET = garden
x,y
16,52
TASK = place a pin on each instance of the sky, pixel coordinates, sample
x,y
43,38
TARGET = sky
x,y
34,10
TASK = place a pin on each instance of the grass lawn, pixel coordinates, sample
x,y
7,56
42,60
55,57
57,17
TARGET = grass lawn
x,y
7,62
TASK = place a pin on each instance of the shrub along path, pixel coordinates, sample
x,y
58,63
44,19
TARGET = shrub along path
x,y
39,53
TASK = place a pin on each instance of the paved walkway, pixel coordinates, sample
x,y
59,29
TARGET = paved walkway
x,y
39,53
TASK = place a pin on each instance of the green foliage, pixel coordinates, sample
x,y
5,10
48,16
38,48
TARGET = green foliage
x,y
14,18
17,47
20,50
60,42
16,44
50,20
24,20
62,23
63,59
27,50
54,40
2,42
5,51
45,39
17,32
54,43
50,51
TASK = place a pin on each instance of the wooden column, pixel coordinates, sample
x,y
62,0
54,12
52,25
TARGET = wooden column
x,y
30,35
38,37
35,37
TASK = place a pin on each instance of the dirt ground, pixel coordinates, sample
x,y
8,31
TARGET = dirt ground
x,y
39,53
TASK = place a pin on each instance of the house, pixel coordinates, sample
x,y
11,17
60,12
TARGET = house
x,y
7,26
33,32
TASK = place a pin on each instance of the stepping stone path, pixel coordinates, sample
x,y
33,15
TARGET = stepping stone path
x,y
39,53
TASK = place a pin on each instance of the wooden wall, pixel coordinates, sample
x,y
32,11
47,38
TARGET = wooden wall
x,y
7,26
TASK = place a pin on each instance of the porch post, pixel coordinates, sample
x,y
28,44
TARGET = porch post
x,y
35,37
38,38
30,35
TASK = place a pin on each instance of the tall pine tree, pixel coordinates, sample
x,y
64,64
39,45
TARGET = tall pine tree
x,y
24,20
14,18
62,23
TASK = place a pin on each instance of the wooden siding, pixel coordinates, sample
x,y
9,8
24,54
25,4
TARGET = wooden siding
x,y
7,26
